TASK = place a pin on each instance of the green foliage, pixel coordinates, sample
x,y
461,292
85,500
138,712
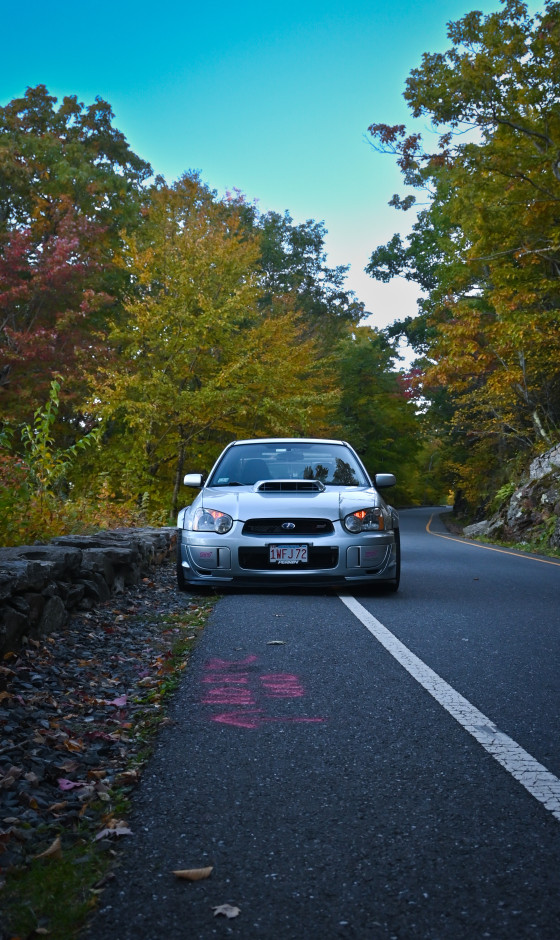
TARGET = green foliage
x,y
35,500
293,263
503,494
180,321
51,156
377,414
486,250
48,466
197,362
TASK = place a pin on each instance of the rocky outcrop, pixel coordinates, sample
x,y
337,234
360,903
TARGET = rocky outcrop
x,y
545,464
40,585
532,512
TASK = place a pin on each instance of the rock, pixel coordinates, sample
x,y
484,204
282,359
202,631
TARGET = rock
x,y
13,625
476,529
41,584
97,560
17,574
545,463
53,559
488,528
54,615
71,594
96,588
532,513
555,537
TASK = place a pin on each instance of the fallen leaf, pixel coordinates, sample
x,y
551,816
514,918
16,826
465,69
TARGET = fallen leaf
x,y
226,910
127,778
65,784
68,766
120,702
58,807
113,833
194,874
54,850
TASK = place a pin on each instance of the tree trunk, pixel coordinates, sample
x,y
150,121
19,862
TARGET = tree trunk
x,y
178,479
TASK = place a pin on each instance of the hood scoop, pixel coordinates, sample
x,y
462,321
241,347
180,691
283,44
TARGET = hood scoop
x,y
290,486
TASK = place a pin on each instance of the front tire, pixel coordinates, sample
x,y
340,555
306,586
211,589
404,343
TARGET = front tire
x,y
181,583
393,584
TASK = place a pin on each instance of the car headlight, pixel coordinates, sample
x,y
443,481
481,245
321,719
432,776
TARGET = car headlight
x,y
211,520
365,520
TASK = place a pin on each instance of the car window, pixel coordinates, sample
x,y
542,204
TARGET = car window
x,y
247,464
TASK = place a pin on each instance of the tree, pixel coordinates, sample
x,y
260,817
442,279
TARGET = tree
x,y
71,155
293,261
376,411
69,187
196,362
487,249
293,264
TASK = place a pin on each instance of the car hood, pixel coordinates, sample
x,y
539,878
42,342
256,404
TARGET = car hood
x,y
247,502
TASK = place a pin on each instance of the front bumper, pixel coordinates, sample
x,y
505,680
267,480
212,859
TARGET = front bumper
x,y
335,560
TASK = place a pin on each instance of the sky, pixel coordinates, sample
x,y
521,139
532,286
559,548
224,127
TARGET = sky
x,y
273,99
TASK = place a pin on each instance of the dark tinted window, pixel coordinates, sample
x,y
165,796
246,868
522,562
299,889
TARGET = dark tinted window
x,y
246,464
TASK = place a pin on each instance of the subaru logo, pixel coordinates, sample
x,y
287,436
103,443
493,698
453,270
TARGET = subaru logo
x,y
288,525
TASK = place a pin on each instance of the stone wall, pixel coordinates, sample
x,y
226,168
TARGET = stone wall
x,y
41,585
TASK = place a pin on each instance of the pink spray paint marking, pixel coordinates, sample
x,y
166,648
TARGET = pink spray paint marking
x,y
231,664
232,683
282,685
229,682
228,696
256,719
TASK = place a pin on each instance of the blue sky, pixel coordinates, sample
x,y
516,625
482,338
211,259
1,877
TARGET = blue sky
x,y
274,99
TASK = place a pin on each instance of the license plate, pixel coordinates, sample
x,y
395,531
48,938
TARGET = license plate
x,y
288,554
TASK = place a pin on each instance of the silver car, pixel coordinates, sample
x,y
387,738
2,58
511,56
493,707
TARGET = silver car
x,y
288,511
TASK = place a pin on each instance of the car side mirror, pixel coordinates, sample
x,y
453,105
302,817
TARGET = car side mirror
x,y
194,479
383,480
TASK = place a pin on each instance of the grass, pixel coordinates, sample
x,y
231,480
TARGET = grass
x,y
53,897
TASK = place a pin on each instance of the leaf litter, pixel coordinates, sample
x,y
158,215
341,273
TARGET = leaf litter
x,y
77,708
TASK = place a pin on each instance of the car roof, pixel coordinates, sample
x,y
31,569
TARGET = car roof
x,y
288,440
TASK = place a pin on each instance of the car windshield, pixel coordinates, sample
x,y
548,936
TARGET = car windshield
x,y
246,464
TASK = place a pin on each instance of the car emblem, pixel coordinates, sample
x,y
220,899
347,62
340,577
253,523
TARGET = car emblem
x,y
288,525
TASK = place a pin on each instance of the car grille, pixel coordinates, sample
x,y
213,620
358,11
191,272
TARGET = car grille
x,y
257,559
301,527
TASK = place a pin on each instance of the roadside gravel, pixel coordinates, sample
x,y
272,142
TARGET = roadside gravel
x,y
77,711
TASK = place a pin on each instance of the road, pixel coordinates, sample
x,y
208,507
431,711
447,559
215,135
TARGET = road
x,y
376,766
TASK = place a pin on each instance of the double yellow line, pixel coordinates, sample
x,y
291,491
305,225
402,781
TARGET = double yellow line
x,y
490,548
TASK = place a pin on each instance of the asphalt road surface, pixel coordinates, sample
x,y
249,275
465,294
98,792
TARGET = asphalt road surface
x,y
361,766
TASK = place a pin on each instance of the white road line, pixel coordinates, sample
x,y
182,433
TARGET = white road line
x,y
539,782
